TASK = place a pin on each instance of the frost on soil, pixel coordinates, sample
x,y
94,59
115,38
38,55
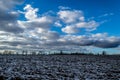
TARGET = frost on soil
x,y
59,67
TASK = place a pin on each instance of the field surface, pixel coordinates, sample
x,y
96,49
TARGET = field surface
x,y
59,67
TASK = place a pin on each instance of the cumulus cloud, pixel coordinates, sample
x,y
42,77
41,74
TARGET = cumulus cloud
x,y
71,16
8,16
70,29
4,5
42,22
102,40
75,20
30,13
89,26
75,28
33,20
37,31
98,40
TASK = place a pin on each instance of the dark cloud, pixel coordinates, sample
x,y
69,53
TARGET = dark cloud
x,y
107,44
11,27
8,19
36,31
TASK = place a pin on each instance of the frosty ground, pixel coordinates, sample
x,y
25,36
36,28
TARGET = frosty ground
x,y
59,67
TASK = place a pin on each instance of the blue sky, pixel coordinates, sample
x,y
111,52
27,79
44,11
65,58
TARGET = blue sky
x,y
91,8
91,25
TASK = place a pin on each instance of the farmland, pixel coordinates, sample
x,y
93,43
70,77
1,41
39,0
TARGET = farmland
x,y
59,67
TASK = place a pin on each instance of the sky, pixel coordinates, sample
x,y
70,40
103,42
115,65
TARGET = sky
x,y
69,25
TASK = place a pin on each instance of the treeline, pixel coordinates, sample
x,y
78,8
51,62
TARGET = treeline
x,y
27,52
22,52
78,53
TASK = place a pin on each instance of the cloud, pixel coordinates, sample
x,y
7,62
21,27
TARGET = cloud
x,y
65,42
89,26
8,16
71,16
41,22
70,29
58,24
75,28
4,5
33,20
75,20
106,15
98,40
63,8
102,40
30,13
38,31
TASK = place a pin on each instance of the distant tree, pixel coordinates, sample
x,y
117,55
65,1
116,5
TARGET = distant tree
x,y
90,53
61,52
23,52
40,52
7,52
4,52
33,53
104,53
98,54
10,52
17,53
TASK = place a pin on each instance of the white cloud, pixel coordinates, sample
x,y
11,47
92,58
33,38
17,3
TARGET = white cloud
x,y
33,20
74,20
58,24
89,26
106,14
40,22
71,16
70,29
39,30
75,27
63,8
31,13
